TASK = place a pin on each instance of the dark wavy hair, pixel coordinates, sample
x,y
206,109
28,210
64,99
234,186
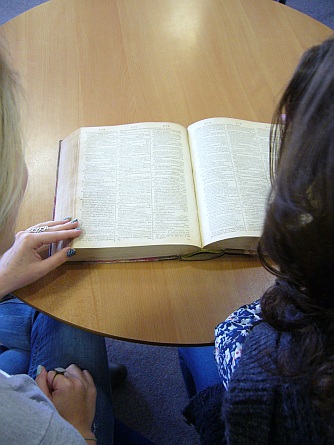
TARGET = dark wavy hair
x,y
298,233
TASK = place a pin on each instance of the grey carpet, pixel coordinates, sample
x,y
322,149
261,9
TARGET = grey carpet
x,y
153,395
321,10
12,8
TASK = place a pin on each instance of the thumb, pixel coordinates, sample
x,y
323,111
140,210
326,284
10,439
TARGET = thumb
x,y
41,380
57,259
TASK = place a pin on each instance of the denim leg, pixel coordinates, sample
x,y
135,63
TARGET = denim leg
x,y
29,339
14,361
16,321
199,369
55,344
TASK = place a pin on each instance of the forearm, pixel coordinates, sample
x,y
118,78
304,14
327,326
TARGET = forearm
x,y
6,284
85,432
91,439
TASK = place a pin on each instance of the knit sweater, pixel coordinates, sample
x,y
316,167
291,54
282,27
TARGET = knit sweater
x,y
260,407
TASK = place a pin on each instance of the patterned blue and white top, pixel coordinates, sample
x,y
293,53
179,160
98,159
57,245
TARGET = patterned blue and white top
x,y
230,335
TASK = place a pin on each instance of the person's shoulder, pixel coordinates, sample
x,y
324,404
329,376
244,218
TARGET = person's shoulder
x,y
265,328
28,416
22,406
21,386
20,383
258,360
263,337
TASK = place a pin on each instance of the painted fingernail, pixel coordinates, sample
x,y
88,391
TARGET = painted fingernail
x,y
70,253
74,220
68,218
39,369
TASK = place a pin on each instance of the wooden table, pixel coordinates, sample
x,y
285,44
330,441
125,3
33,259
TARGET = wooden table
x,y
108,62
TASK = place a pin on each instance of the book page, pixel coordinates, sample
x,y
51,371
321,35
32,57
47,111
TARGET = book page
x,y
231,170
132,189
67,176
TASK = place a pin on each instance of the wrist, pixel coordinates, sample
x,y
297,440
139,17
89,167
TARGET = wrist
x,y
90,440
5,286
88,435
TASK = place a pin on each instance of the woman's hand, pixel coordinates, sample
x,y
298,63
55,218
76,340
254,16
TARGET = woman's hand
x,y
23,263
73,394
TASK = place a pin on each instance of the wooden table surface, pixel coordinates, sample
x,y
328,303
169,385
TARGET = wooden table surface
x,y
108,62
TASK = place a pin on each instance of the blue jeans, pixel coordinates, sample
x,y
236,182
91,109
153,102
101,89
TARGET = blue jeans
x,y
29,338
198,367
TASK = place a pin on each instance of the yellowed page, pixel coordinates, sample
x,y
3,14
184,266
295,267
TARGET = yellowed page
x,y
67,177
231,169
134,186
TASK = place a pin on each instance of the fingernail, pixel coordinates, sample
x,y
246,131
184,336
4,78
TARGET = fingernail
x,y
70,253
78,228
74,220
68,218
39,369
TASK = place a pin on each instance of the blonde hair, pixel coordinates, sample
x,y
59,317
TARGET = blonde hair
x,y
12,164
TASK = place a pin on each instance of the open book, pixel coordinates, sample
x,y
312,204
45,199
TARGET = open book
x,y
156,190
